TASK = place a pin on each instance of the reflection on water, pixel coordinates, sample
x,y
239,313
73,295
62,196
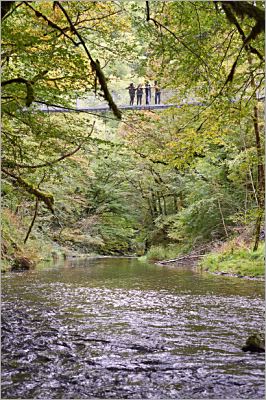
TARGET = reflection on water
x,y
117,328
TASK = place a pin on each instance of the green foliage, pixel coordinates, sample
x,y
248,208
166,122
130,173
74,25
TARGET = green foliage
x,y
159,253
236,259
165,181
13,231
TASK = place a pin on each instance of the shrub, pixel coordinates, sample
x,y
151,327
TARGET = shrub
x,y
237,259
159,253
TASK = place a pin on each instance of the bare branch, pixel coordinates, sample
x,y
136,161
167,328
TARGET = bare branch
x,y
14,80
244,8
23,80
99,18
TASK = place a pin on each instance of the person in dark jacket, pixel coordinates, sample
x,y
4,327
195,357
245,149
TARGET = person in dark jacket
x,y
139,94
131,90
157,93
148,93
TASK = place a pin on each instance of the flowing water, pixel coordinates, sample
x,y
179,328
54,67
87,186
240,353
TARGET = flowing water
x,y
118,328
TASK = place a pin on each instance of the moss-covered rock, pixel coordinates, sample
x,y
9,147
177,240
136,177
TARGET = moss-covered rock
x,y
255,343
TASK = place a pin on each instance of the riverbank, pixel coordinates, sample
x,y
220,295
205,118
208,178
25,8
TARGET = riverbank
x,y
233,258
18,254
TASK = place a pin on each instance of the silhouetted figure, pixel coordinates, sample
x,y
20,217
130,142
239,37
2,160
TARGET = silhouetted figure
x,y
157,93
131,91
139,94
148,93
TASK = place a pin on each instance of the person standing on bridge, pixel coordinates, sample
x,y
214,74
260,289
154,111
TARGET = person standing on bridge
x,y
148,93
157,93
131,90
139,94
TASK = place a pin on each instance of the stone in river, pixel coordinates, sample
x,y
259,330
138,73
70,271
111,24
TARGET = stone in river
x,y
255,343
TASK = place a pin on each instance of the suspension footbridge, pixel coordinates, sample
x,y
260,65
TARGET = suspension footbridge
x,y
91,104
102,109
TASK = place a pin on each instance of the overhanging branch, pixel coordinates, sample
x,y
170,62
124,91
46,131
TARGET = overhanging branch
x,y
95,65
49,163
46,198
28,83
51,23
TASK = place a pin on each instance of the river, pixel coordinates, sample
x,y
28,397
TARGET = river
x,y
119,328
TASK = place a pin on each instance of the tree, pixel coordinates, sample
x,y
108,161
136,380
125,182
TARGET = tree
x,y
51,63
219,61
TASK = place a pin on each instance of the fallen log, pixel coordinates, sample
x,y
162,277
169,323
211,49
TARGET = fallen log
x,y
187,257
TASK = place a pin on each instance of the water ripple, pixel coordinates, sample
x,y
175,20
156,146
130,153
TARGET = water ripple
x,y
72,334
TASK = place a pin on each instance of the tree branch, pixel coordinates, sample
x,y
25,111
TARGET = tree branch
x,y
95,65
98,18
14,80
150,159
71,109
5,8
49,163
227,7
147,11
33,219
23,80
47,198
244,8
29,85
30,93
158,24
51,23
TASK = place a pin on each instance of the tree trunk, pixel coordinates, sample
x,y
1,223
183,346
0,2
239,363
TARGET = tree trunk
x,y
222,216
150,208
164,206
260,179
260,167
154,206
159,204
